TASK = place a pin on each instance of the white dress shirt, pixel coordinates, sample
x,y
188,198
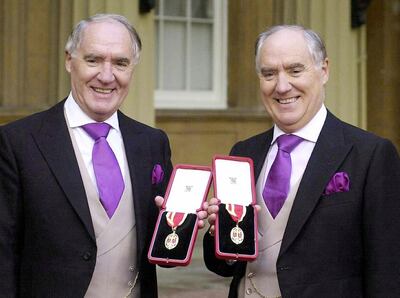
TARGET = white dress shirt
x,y
301,154
76,118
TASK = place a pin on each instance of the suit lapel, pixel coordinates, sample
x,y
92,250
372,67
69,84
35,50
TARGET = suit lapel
x,y
137,150
54,141
257,150
261,154
328,154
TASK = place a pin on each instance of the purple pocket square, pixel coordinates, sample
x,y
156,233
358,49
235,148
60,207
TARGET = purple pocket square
x,y
340,182
157,175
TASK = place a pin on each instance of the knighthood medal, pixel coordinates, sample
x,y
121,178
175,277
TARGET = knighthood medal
x,y
237,213
174,220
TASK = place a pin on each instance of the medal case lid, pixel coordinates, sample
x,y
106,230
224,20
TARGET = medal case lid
x,y
187,190
234,185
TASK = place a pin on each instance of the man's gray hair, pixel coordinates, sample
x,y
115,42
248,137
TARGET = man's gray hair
x,y
314,42
76,36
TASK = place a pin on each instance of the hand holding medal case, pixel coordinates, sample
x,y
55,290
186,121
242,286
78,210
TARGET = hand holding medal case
x,y
236,221
176,229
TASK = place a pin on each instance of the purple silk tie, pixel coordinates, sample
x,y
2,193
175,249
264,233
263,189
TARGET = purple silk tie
x,y
277,185
106,169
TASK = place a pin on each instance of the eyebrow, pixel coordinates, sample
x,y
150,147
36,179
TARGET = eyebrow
x,y
268,69
87,56
291,65
118,59
123,60
295,65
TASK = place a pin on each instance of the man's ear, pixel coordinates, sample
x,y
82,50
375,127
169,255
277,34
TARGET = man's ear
x,y
68,59
325,71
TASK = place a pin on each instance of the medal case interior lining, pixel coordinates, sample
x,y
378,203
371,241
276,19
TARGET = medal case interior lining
x,y
226,224
184,232
225,247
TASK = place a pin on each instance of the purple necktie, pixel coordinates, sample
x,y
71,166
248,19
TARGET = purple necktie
x,y
106,169
277,185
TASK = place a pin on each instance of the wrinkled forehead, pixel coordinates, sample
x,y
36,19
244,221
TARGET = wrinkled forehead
x,y
106,32
285,46
107,29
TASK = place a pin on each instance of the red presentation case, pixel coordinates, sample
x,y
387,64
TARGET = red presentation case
x,y
187,190
234,187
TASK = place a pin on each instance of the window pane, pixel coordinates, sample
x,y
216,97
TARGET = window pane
x,y
174,56
202,9
175,8
201,57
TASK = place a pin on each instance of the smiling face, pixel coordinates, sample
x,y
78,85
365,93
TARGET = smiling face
x,y
101,68
291,83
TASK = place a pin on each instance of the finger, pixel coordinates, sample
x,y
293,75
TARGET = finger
x,y
205,206
211,219
159,201
213,201
202,215
212,209
211,231
200,224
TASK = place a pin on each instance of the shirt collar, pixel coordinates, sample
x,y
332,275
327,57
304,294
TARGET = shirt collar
x,y
310,131
77,117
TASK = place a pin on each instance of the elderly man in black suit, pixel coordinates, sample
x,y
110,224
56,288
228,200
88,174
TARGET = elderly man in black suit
x,y
329,216
78,181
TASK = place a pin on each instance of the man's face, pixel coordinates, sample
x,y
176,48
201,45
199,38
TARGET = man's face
x,y
291,83
101,69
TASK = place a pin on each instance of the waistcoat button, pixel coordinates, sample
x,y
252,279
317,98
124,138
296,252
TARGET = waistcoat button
x,y
87,256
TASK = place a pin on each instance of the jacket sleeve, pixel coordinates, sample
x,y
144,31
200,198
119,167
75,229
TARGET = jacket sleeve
x,y
381,223
218,266
10,219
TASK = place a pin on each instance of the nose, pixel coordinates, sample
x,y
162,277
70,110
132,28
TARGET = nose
x,y
106,74
283,84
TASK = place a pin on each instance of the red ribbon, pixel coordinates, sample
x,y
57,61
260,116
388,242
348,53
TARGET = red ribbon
x,y
237,212
175,219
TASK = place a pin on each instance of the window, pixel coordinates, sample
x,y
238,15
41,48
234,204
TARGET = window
x,y
191,54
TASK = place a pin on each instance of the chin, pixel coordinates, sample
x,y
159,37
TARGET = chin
x,y
102,112
288,119
104,106
288,126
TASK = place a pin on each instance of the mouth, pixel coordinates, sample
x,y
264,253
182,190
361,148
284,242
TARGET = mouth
x,y
287,100
103,90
